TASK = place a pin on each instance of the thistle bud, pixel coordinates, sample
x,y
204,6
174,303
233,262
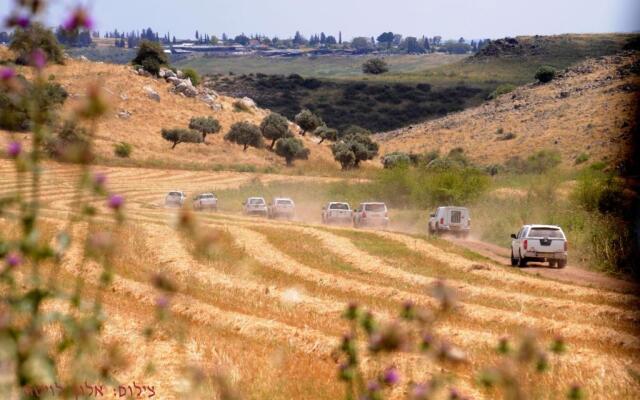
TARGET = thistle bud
x,y
558,345
80,18
391,376
13,259
351,312
115,202
14,149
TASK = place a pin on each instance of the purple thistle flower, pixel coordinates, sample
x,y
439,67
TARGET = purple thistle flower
x,y
13,259
7,74
38,59
79,19
18,20
373,386
99,179
162,302
391,376
420,391
14,149
115,202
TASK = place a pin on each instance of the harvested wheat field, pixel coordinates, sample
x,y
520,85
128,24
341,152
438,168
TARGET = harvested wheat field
x,y
264,303
589,109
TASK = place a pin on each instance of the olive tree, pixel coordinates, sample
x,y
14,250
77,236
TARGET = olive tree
x,y
291,148
326,133
396,159
308,121
274,127
181,135
375,66
205,125
151,56
245,134
353,148
545,74
36,36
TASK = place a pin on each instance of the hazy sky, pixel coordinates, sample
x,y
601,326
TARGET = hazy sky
x,y
448,18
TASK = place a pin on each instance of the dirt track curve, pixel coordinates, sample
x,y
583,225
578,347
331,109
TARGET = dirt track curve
x,y
570,274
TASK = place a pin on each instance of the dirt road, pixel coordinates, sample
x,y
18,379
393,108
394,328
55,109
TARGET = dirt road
x,y
571,273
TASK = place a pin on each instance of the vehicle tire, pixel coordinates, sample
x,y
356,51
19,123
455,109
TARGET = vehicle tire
x,y
561,263
553,263
514,261
522,261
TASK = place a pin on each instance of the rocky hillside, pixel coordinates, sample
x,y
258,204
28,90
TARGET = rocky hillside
x,y
589,108
140,106
554,49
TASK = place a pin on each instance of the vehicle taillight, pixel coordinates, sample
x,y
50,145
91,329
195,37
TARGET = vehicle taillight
x,y
441,221
386,214
364,214
566,245
525,244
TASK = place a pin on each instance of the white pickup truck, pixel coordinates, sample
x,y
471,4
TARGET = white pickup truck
x,y
542,243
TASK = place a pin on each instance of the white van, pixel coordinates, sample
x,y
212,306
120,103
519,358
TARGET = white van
x,y
455,220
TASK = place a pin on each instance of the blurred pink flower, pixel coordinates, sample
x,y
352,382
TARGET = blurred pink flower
x,y
99,179
80,18
18,21
391,376
162,302
38,59
7,74
13,259
115,202
14,149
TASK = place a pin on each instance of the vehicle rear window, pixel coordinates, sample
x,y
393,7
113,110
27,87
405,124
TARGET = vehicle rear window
x,y
207,196
456,216
545,232
339,206
256,201
174,194
284,202
375,207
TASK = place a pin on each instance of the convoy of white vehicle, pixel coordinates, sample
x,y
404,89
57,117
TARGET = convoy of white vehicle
x,y
532,243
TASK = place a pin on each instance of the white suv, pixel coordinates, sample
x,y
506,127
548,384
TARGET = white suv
x,y
282,207
543,243
174,199
255,205
205,201
371,214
